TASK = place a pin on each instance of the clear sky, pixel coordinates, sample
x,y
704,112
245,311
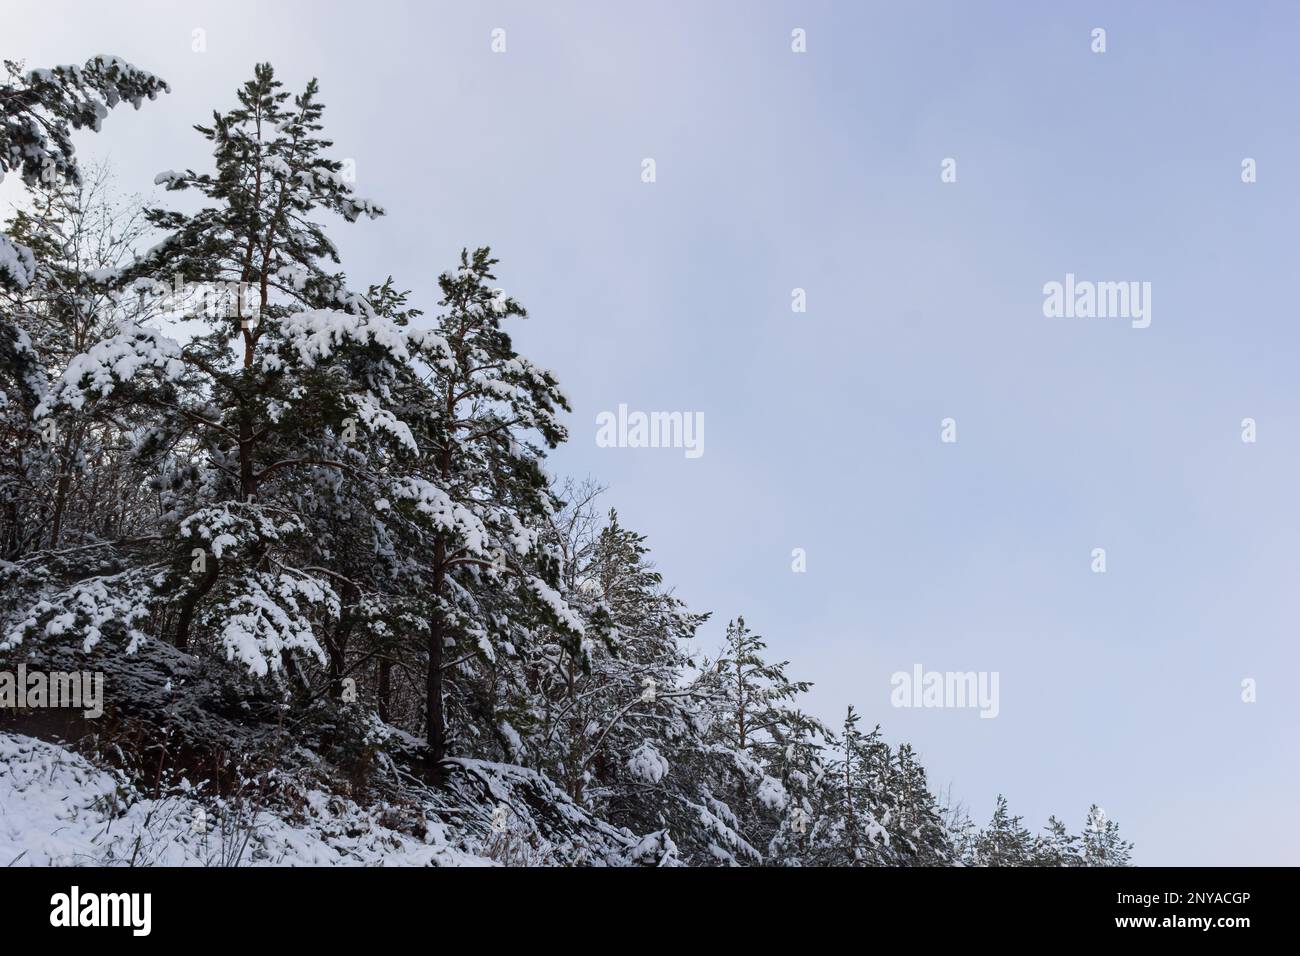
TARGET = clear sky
x,y
821,171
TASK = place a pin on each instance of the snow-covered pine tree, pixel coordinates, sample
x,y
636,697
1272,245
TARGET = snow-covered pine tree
x,y
1100,843
231,431
959,830
1056,846
856,805
600,715
765,744
803,772
1004,842
485,414
918,836
624,729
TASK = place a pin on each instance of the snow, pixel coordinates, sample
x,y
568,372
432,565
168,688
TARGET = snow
x,y
257,629
96,372
559,607
57,809
512,736
771,793
87,606
657,846
315,334
16,263
378,418
447,515
647,764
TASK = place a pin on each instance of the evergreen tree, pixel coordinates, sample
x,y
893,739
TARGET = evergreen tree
x,y
605,714
622,730
485,414
918,836
1056,846
1005,842
226,438
769,746
857,805
1100,844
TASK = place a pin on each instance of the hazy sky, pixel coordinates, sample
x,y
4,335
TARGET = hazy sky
x,y
821,171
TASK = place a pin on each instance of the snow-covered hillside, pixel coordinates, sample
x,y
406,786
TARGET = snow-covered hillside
x,y
57,809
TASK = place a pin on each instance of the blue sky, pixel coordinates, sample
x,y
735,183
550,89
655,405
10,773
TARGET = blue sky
x,y
821,171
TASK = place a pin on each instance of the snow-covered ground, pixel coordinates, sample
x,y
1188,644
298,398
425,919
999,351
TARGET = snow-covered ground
x,y
57,809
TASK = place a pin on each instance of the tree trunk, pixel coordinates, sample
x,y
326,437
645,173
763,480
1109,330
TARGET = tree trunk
x,y
385,691
437,731
61,491
191,602
337,647
247,481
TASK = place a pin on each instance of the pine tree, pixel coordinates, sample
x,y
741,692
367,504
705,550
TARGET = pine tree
x,y
1004,842
857,806
1056,846
622,730
604,717
482,492
770,745
918,836
1100,844
226,438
